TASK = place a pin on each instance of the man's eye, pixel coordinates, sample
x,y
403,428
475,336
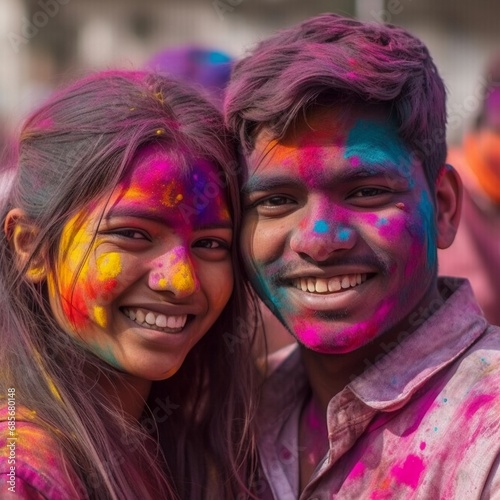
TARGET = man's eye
x,y
368,191
275,201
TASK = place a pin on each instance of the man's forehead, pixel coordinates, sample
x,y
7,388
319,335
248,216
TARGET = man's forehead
x,y
365,136
320,125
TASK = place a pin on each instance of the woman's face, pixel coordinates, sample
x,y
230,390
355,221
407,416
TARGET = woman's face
x,y
141,285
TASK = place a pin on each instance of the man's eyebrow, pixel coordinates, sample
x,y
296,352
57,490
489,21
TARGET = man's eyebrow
x,y
267,183
367,171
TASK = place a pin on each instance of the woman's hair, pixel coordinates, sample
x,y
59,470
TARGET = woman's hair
x,y
75,149
330,59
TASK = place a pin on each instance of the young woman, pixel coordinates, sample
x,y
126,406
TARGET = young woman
x,y
117,267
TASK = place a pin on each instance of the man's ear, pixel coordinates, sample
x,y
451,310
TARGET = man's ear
x,y
448,205
22,234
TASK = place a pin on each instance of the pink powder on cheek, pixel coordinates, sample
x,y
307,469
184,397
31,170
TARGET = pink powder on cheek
x,y
391,228
409,473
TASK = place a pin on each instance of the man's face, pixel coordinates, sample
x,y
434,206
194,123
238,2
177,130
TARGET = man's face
x,y
339,232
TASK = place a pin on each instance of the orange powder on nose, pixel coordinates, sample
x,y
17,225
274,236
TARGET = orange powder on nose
x,y
182,278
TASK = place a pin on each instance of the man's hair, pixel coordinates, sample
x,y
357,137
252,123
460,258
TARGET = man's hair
x,y
331,59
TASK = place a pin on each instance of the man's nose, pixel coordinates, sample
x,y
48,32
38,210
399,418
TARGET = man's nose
x,y
321,233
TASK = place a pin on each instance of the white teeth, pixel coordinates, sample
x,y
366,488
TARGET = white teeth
x,y
139,316
161,320
322,285
334,285
156,321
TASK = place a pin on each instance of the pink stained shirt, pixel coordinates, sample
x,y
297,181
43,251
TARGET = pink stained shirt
x,y
41,471
421,423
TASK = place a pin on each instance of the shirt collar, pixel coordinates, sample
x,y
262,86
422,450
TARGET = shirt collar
x,y
389,383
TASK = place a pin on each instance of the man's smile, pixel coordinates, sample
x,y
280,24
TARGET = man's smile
x,y
329,285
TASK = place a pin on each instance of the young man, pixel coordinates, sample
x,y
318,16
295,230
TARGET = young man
x,y
393,390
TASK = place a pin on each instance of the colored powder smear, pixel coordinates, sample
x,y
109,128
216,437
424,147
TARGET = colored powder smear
x,y
373,142
182,275
426,210
321,226
409,473
109,266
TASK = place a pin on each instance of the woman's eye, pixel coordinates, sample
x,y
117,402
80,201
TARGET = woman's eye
x,y
211,244
133,234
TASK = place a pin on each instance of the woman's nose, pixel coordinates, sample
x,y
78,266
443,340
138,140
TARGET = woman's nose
x,y
174,272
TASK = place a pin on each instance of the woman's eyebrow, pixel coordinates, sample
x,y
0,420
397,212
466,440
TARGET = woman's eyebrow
x,y
154,216
133,211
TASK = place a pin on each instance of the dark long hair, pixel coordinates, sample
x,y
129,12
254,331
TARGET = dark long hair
x,y
75,149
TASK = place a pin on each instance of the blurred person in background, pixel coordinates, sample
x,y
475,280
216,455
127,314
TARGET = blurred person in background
x,y
475,254
206,68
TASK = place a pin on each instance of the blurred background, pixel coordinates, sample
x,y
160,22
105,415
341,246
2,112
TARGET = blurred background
x,y
46,42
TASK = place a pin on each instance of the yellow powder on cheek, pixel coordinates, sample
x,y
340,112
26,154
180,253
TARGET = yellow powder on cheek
x,y
100,316
72,250
109,266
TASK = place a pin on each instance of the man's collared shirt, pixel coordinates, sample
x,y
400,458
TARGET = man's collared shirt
x,y
423,422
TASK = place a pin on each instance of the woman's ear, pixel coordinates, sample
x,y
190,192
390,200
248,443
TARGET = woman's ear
x,y
22,234
448,205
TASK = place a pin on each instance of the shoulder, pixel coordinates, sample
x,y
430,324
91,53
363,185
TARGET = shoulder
x,y
32,461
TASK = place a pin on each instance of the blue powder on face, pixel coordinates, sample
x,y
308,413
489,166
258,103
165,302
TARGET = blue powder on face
x,y
343,234
381,222
377,143
426,211
320,226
